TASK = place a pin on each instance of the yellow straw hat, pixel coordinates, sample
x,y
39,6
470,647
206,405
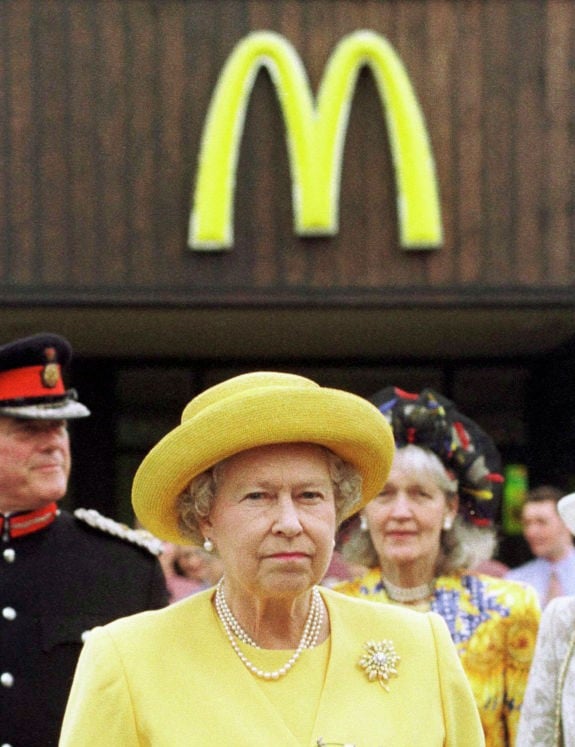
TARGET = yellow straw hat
x,y
252,410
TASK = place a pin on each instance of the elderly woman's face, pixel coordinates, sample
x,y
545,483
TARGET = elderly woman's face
x,y
406,518
273,519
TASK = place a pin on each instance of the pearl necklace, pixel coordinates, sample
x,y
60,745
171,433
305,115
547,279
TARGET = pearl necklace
x,y
407,595
226,615
233,629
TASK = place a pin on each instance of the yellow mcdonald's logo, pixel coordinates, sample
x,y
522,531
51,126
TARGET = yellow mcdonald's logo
x,y
315,135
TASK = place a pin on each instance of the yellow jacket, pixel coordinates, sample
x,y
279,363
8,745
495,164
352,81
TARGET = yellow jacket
x,y
170,678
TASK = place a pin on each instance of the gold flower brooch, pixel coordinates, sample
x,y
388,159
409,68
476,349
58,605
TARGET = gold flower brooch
x,y
380,662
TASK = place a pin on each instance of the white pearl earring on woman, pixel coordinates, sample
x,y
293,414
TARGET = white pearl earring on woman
x,y
208,545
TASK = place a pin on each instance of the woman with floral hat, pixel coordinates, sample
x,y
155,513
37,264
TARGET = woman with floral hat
x,y
263,468
430,524
548,714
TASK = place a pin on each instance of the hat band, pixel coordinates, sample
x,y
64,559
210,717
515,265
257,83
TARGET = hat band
x,y
31,381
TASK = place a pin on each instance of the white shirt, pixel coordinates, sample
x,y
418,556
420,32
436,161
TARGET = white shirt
x,y
537,573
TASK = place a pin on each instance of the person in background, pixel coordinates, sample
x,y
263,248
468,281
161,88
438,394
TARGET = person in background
x,y
197,563
179,585
548,715
552,571
60,574
431,523
492,567
263,468
188,569
339,570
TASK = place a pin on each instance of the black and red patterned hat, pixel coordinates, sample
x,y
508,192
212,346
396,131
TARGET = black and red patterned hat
x,y
31,379
432,421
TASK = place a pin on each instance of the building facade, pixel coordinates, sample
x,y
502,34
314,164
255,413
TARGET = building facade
x,y
370,192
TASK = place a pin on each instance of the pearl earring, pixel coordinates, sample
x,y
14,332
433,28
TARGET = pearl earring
x,y
208,545
363,523
447,523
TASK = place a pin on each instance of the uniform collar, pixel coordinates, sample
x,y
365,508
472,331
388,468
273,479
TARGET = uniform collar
x,y
26,522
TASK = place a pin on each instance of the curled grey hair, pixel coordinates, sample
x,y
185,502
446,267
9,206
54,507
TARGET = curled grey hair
x,y
195,502
462,546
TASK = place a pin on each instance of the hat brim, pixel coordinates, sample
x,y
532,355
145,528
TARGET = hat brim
x,y
566,508
66,410
346,424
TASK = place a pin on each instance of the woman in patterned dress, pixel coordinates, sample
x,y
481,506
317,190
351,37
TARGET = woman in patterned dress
x,y
548,715
433,522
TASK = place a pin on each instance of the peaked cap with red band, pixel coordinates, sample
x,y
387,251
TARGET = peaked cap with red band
x,y
31,383
432,421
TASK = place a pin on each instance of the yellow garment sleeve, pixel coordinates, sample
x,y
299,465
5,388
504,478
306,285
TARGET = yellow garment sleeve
x,y
461,717
99,710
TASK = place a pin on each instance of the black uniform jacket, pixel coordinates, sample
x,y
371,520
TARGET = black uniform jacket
x,y
55,585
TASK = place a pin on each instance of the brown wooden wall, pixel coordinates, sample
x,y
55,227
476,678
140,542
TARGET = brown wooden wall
x,y
102,105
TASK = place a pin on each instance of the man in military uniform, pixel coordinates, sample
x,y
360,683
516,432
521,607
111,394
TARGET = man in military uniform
x,y
60,574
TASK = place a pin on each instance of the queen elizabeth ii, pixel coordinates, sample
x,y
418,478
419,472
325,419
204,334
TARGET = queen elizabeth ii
x,y
262,470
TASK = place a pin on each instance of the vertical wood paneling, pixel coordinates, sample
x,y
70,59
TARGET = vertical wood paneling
x,y
292,268
143,158
440,82
264,190
498,130
527,45
23,143
81,149
5,149
118,141
200,71
50,36
102,105
559,151
351,264
172,173
468,108
380,213
410,42
323,266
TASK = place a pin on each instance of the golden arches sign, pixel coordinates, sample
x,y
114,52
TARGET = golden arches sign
x,y
315,134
